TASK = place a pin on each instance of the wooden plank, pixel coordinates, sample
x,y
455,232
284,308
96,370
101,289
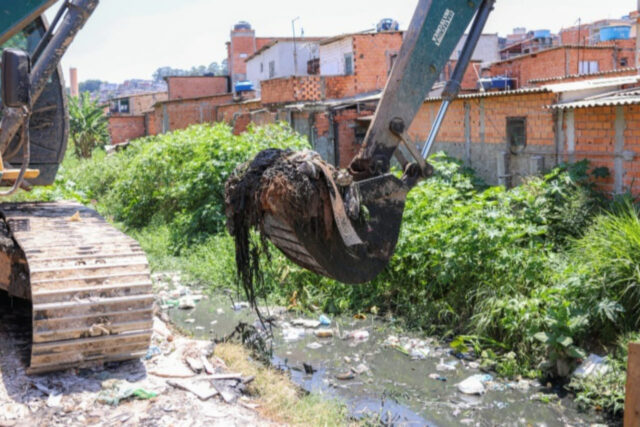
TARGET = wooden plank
x,y
632,398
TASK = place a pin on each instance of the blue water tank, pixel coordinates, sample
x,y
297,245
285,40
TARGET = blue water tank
x,y
617,32
541,34
244,86
496,83
387,24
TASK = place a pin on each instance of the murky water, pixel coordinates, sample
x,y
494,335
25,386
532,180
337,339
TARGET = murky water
x,y
394,387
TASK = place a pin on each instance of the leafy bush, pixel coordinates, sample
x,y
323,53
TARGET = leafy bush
x,y
177,178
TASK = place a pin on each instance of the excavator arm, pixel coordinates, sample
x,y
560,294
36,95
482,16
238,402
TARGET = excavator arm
x,y
352,235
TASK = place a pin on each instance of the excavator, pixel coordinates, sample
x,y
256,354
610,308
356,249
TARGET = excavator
x,y
89,284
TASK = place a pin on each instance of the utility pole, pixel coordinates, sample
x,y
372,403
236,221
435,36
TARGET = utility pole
x,y
295,50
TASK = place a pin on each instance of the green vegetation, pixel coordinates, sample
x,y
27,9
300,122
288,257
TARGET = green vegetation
x,y
529,279
88,125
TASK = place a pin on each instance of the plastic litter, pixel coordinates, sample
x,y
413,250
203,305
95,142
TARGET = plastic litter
x,y
324,320
592,365
118,391
187,303
437,377
449,366
345,376
292,334
240,306
360,369
359,335
153,351
474,384
307,323
414,348
323,333
314,345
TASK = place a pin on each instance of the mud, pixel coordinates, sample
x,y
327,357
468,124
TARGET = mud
x,y
281,183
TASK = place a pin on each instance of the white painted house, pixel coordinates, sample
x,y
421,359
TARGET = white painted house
x,y
282,58
336,56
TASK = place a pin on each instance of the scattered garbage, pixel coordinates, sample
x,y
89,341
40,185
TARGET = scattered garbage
x,y
437,377
186,303
592,365
324,320
307,323
414,348
116,391
360,316
238,306
153,351
293,334
202,389
345,376
190,321
314,345
308,369
448,366
360,369
54,400
323,333
474,384
359,335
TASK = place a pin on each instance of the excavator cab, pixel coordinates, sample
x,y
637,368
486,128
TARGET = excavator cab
x,y
345,224
22,29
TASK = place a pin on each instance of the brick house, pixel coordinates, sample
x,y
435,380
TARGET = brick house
x,y
185,87
559,61
506,136
127,118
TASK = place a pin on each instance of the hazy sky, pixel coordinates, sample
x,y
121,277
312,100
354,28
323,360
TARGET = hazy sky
x,y
132,38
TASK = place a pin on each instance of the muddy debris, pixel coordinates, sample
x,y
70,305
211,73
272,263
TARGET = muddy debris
x,y
289,185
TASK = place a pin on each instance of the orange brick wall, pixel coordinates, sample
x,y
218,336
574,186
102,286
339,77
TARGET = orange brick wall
x,y
470,77
227,112
292,89
372,60
183,113
126,128
553,63
632,143
183,87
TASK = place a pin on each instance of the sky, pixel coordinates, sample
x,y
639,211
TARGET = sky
x,y
127,39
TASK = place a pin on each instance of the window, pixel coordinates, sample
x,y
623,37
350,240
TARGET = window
x,y
313,66
348,64
624,62
392,60
262,67
124,106
588,67
272,69
516,134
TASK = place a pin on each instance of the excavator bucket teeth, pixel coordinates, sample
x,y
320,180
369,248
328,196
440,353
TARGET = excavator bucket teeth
x,y
304,244
88,283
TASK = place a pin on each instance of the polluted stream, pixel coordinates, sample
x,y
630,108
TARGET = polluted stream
x,y
384,375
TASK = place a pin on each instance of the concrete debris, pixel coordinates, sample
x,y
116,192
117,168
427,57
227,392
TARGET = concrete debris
x,y
141,392
474,384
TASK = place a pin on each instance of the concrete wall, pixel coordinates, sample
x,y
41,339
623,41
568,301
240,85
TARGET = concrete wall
x,y
487,50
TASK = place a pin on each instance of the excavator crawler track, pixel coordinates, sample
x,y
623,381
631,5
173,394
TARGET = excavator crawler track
x,y
89,285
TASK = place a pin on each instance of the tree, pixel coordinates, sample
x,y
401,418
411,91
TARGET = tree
x,y
88,125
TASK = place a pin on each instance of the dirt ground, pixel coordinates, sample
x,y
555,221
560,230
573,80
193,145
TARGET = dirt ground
x,y
76,397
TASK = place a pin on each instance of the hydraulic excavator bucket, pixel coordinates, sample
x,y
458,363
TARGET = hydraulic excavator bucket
x,y
344,224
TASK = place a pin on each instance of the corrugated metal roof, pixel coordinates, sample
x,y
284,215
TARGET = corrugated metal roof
x,y
573,76
628,97
523,91
592,84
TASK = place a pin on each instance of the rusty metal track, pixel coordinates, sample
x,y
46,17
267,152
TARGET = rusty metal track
x,y
89,285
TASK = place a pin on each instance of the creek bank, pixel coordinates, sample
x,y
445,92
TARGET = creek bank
x,y
384,373
165,388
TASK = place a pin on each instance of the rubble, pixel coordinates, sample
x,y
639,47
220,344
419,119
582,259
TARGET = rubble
x,y
128,393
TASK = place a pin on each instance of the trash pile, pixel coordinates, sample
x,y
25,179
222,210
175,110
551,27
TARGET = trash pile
x,y
179,382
